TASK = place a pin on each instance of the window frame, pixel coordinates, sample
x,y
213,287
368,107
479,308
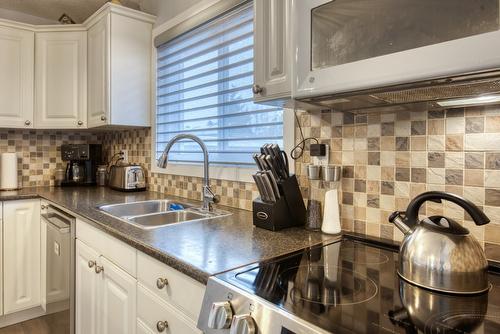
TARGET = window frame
x,y
231,173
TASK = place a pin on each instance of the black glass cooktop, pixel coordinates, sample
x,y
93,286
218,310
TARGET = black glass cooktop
x,y
352,287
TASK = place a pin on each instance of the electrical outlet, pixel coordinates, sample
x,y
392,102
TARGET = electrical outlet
x,y
322,160
124,155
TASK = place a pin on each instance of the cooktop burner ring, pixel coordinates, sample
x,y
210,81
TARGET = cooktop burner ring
x,y
357,289
371,257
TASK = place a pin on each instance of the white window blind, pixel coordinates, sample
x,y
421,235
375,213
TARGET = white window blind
x,y
204,87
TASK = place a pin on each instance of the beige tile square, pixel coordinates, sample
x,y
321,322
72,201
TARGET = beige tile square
x,y
454,160
419,159
482,142
387,143
402,159
418,143
435,127
492,124
373,173
436,175
492,178
455,125
402,128
402,189
474,194
387,158
373,130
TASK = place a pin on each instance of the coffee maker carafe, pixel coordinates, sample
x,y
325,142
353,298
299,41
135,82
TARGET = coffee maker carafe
x,y
82,161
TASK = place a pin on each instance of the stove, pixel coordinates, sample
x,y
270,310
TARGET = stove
x,y
346,286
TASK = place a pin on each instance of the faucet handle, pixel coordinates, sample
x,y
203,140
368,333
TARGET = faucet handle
x,y
209,198
216,199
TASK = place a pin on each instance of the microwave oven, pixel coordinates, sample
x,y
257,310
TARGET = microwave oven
x,y
346,46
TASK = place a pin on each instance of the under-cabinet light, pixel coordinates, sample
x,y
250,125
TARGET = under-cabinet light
x,y
469,101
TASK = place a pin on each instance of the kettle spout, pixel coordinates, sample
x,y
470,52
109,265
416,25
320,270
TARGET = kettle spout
x,y
397,220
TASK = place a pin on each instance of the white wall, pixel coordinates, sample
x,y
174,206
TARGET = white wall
x,y
22,17
166,9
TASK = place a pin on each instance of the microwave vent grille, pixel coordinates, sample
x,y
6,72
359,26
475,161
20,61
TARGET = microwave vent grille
x,y
441,92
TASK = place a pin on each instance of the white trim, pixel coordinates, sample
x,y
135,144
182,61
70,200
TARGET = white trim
x,y
231,173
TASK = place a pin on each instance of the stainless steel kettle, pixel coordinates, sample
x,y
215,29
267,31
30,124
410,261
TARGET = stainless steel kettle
x,y
438,253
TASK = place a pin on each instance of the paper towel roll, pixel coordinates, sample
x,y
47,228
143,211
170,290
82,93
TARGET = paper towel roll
x,y
331,214
8,171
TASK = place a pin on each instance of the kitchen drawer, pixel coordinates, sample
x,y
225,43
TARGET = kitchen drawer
x,y
151,310
115,250
182,291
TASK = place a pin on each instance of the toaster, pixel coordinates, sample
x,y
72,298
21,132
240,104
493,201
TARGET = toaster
x,y
127,177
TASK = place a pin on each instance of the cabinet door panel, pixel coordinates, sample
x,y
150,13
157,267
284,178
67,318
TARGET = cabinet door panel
x,y
21,255
16,80
272,49
98,73
152,309
61,80
117,300
86,289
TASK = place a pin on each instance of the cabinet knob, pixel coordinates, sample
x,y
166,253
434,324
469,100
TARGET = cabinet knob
x,y
99,269
91,264
161,283
161,326
80,123
256,89
27,122
103,118
43,207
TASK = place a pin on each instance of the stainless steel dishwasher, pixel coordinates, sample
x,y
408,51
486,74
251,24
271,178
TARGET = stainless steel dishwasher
x,y
58,268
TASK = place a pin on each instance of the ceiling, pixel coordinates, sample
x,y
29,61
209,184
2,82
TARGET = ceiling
x,y
78,10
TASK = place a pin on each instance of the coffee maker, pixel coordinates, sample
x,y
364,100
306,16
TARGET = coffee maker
x,y
82,161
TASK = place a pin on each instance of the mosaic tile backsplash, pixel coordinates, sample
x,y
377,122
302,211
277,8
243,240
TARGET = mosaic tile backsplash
x,y
388,158
39,152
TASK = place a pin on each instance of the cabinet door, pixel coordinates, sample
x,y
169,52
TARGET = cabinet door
x,y
117,300
61,80
86,289
272,49
21,270
17,50
151,310
98,73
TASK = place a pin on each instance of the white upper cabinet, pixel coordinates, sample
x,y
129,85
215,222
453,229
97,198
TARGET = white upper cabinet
x,y
119,73
272,50
16,77
98,84
61,79
21,270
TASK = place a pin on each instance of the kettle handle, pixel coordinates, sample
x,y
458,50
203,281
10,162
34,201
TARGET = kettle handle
x,y
436,196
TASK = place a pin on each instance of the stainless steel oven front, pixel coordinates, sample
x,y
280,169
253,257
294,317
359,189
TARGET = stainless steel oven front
x,y
350,45
58,269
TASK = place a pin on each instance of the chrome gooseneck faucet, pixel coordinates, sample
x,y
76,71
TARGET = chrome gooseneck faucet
x,y
209,197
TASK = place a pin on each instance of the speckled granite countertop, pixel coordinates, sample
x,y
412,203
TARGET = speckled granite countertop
x,y
198,249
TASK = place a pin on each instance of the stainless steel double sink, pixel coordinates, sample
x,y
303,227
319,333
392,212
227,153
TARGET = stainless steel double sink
x,y
158,213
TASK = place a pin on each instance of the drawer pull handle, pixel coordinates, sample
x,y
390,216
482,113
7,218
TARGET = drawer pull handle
x,y
91,264
161,326
99,269
161,283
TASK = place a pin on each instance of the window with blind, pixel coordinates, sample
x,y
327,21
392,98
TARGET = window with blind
x,y
204,87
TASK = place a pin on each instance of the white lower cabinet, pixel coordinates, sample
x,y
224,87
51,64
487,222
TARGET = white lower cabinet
x,y
116,299
21,254
121,290
105,295
156,316
86,289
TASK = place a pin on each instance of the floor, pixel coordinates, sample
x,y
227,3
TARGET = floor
x,y
56,323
